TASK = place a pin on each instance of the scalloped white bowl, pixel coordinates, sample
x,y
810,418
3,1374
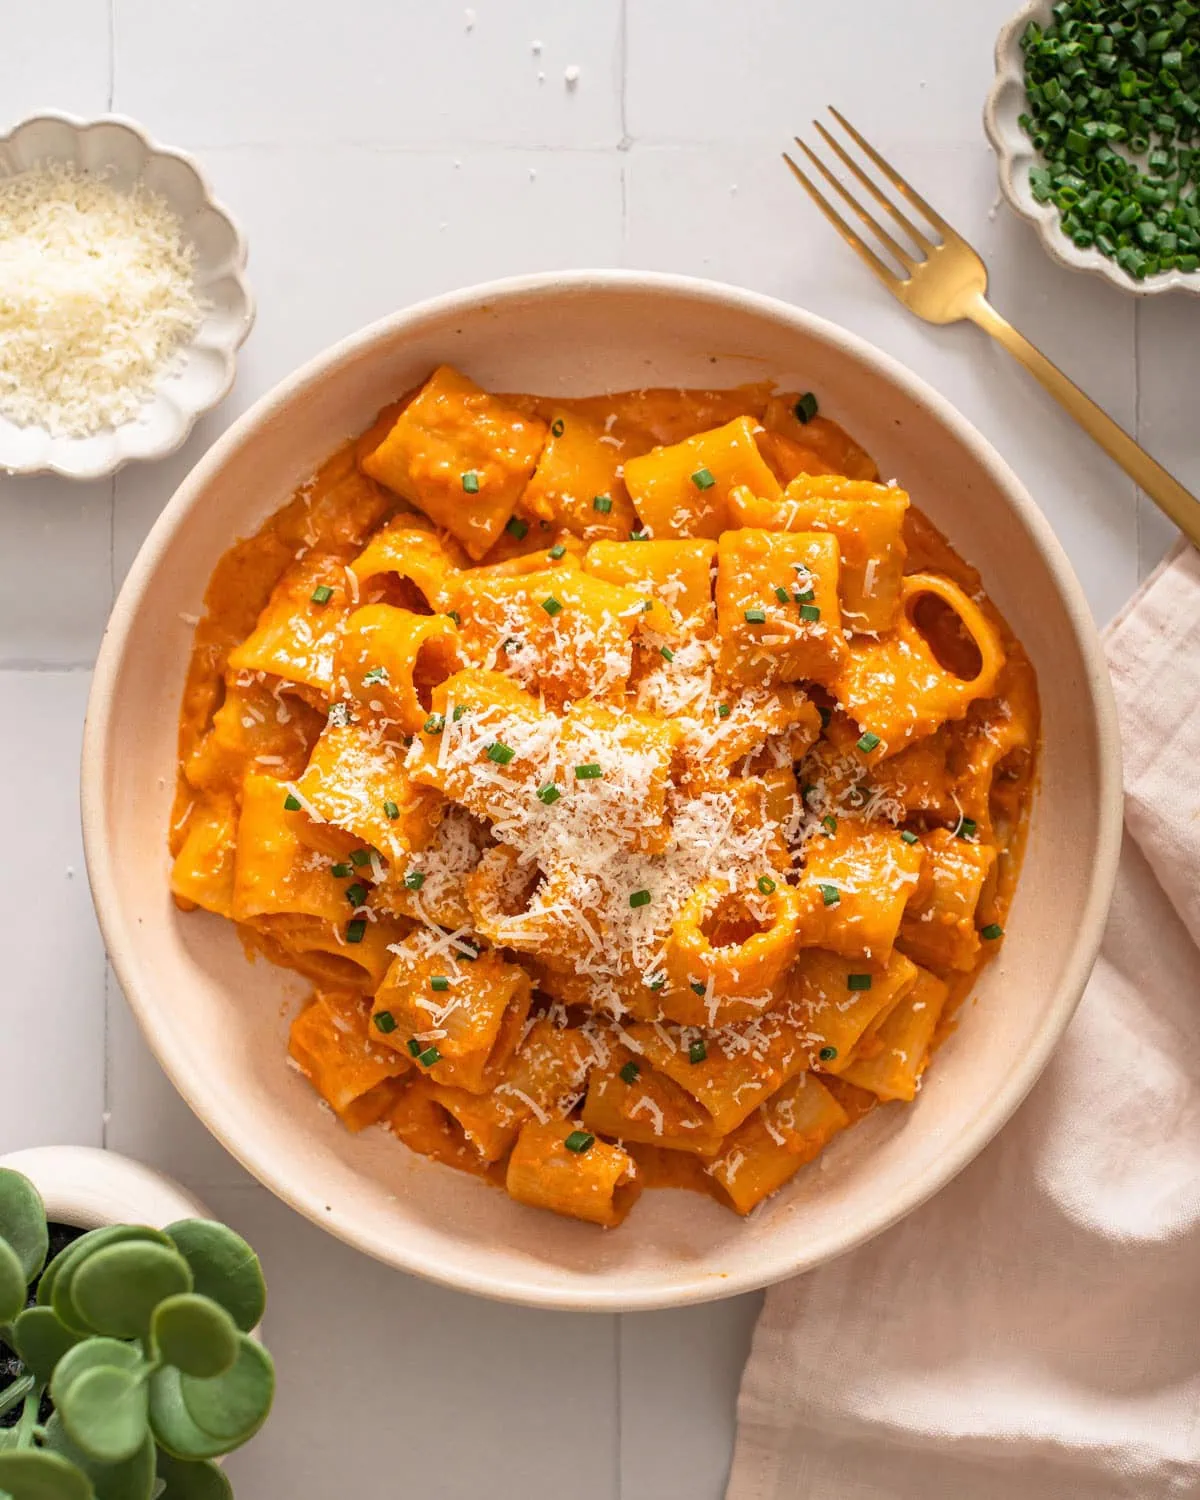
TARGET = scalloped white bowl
x,y
218,1023
1015,155
203,371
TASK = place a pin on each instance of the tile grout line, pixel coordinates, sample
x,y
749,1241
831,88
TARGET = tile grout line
x,y
618,1433
112,53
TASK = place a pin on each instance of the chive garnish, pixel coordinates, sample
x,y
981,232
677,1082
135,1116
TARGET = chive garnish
x,y
755,616
356,894
908,836
557,551
666,653
291,803
391,810
549,794
723,710
858,981
703,479
829,824
602,503
374,675
470,482
552,606
340,872
991,932
414,1046
830,895
356,930
827,1054
639,536
439,982
468,952
629,1072
806,408
657,983
430,1056
414,880
435,723
868,742
516,527
809,612
698,987
579,1141
556,427
697,1052
590,772
765,884
781,594
459,710
639,898
384,1021
966,829
360,857
322,594
500,753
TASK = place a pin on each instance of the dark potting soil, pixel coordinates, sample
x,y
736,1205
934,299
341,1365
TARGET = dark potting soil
x,y
61,1235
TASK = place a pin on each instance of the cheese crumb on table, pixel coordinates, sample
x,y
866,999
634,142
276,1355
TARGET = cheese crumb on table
x,y
97,295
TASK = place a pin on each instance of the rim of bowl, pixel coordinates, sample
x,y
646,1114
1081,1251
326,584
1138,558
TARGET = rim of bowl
x,y
189,416
170,1047
1015,155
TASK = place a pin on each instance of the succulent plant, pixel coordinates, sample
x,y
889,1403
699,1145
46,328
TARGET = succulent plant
x,y
140,1340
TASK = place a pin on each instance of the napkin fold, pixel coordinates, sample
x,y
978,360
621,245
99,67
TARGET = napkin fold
x,y
1033,1333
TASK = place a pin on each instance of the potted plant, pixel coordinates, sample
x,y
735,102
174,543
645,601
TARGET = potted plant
x,y
137,1365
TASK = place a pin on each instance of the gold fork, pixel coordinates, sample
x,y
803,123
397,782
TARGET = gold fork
x,y
946,282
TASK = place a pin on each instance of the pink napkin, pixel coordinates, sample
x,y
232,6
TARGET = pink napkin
x,y
1033,1333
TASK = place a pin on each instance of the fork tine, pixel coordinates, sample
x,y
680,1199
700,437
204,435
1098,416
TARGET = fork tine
x,y
885,273
875,191
901,254
894,177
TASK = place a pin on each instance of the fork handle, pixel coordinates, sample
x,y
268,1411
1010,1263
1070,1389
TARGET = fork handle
x,y
1163,488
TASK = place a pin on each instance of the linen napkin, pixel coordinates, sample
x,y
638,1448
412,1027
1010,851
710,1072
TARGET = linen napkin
x,y
1033,1333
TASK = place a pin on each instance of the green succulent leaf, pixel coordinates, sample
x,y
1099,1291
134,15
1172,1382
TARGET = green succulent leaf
x,y
172,1425
191,1481
232,1407
23,1221
104,1411
12,1283
225,1268
117,1288
91,1354
55,1287
131,1480
41,1341
38,1474
194,1334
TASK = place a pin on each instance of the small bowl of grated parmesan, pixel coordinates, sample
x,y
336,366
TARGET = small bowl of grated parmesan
x,y
123,297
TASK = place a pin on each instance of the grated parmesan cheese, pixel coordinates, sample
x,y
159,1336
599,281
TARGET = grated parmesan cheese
x,y
97,294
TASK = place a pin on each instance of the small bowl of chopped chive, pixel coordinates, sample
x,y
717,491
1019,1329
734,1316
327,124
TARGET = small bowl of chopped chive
x,y
123,297
1095,120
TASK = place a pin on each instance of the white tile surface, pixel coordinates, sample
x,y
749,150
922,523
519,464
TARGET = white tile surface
x,y
377,151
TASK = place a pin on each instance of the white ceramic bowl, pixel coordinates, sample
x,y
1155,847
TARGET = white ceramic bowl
x,y
217,1022
203,371
1015,155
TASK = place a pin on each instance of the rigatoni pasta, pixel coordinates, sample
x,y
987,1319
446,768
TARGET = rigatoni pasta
x,y
639,781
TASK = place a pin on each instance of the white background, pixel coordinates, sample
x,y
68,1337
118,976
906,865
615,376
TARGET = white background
x,y
375,152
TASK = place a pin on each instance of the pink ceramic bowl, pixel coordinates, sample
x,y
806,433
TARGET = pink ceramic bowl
x,y
217,1024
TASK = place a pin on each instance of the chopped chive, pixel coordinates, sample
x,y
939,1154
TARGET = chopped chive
x,y
499,753
470,482
376,674
466,951
384,1021
414,880
830,895
697,1052
827,1054
809,612
516,527
291,803
430,1056
804,596
781,594
459,710
391,811
360,857
639,898
590,772
439,982
339,715
723,710
414,1046
579,1141
657,983
435,723
356,894
755,616
908,836
557,551
698,987
666,653
829,824
341,872
322,594
602,503
551,606
639,536
991,932
858,981
549,794
511,644
557,426
629,1073
966,829
825,715
647,606
765,884
868,742
356,930
453,614
806,408
703,479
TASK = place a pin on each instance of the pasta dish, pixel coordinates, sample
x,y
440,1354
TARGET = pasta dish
x,y
639,782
